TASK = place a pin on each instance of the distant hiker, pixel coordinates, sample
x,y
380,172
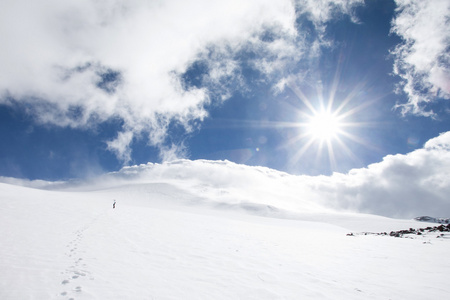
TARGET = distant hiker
x,y
114,204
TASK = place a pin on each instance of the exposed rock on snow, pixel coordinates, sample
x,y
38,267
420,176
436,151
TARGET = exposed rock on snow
x,y
435,231
432,220
196,239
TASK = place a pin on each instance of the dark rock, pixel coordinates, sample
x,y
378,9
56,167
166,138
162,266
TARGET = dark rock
x,y
432,220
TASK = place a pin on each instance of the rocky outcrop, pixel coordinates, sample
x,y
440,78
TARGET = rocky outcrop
x,y
411,231
432,220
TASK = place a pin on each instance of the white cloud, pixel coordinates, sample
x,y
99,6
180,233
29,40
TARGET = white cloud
x,y
174,152
422,60
417,183
321,11
442,142
403,186
121,146
79,63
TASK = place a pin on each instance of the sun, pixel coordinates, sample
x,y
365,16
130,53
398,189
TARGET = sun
x,y
328,123
326,129
324,126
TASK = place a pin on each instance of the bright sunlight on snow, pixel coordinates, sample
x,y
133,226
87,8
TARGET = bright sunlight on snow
x,y
198,230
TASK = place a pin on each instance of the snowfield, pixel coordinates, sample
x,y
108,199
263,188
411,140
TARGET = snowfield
x,y
172,237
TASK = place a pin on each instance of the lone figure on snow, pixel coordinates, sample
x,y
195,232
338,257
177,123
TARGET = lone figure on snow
x,y
114,204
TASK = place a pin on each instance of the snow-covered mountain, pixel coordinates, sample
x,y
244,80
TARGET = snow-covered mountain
x,y
205,230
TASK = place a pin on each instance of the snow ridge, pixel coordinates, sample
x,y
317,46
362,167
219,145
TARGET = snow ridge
x,y
189,238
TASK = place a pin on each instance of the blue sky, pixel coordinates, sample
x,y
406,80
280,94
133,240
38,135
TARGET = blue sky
x,y
87,88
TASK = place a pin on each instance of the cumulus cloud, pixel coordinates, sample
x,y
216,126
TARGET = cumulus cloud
x,y
403,186
417,183
80,63
422,60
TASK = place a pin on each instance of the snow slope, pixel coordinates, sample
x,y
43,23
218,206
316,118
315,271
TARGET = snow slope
x,y
179,239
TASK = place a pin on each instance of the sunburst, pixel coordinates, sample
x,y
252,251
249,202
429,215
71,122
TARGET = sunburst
x,y
324,126
327,127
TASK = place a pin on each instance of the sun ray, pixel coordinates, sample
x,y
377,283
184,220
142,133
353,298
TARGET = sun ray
x,y
329,124
298,154
302,97
335,83
331,154
360,141
346,149
350,97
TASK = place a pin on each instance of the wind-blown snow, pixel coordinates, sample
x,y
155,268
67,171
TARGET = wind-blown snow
x,y
203,230
401,186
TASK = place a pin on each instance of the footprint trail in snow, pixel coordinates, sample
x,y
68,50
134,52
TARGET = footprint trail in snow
x,y
76,273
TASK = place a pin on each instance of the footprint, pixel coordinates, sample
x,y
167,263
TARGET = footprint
x,y
74,276
78,289
65,281
63,293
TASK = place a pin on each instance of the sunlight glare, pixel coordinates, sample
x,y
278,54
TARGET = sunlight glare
x,y
324,126
327,126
